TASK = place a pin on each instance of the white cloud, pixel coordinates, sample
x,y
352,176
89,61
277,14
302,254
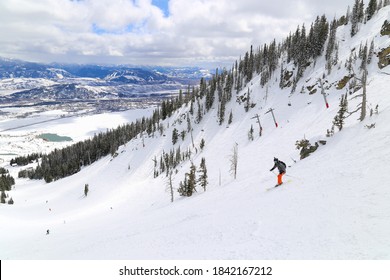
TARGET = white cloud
x,y
136,32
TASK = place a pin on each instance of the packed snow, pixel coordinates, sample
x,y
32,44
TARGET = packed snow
x,y
332,205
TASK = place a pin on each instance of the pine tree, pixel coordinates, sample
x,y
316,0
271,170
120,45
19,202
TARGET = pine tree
x,y
250,133
339,118
162,164
281,77
248,101
178,156
336,54
164,113
302,56
230,117
203,174
349,63
183,135
371,9
370,52
86,189
222,108
202,87
330,133
202,144
183,188
364,58
192,178
155,172
239,82
361,11
380,5
175,136
3,197
311,42
348,15
320,35
250,65
189,125
302,144
355,18
199,114
331,46
189,186
191,107
171,161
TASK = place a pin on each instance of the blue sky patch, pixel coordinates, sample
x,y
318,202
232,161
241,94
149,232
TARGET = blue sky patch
x,y
163,5
101,31
98,30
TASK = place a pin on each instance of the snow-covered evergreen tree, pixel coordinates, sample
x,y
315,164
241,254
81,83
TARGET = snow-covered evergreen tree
x,y
341,114
203,174
175,136
355,18
371,9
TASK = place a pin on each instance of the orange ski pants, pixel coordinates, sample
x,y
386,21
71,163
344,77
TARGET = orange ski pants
x,y
280,178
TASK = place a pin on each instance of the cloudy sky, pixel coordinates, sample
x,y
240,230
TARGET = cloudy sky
x,y
150,32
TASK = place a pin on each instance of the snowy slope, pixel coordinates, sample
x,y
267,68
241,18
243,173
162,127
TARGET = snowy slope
x,y
333,205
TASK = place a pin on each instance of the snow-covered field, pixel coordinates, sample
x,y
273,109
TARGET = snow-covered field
x,y
19,136
335,204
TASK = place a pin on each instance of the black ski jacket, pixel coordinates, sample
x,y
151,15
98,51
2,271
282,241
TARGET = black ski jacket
x,y
280,165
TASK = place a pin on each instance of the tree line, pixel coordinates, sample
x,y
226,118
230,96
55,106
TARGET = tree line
x,y
64,162
6,183
25,160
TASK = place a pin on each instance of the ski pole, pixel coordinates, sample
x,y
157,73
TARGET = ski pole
x,y
292,176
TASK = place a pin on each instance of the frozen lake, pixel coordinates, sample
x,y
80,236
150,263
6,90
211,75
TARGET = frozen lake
x,y
51,137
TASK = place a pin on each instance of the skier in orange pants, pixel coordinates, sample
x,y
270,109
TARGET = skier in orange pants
x,y
282,170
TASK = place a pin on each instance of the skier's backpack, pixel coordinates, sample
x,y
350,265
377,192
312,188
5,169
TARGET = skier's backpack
x,y
283,165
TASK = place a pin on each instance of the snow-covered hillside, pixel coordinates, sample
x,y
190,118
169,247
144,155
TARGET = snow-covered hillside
x,y
334,204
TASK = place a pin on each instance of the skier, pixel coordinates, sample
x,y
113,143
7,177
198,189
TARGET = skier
x,y
282,170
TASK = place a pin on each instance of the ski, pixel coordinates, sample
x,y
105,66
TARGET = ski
x,y
271,188
276,186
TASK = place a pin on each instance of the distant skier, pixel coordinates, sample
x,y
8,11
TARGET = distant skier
x,y
47,232
282,170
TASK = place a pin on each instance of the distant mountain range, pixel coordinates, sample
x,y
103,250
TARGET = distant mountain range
x,y
22,81
11,68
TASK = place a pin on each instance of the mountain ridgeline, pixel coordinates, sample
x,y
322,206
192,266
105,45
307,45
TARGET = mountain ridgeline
x,y
283,63
10,69
119,86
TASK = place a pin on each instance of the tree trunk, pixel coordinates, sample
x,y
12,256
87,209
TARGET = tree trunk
x,y
364,98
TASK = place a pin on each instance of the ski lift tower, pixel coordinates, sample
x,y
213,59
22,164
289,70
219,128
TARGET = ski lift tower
x,y
271,110
323,93
258,121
